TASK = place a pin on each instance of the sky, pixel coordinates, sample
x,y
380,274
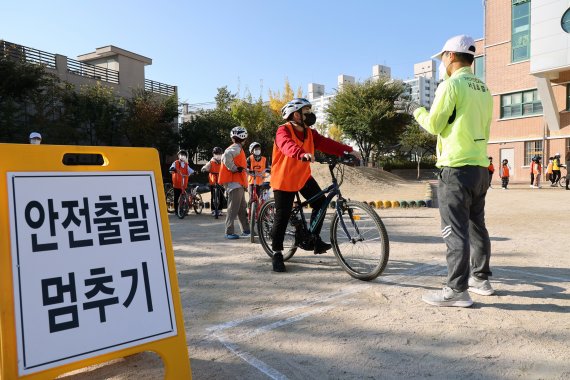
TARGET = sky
x,y
250,46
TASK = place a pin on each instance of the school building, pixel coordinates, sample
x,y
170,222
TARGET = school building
x,y
524,58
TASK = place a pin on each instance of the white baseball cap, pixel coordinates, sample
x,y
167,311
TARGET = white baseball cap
x,y
457,44
35,135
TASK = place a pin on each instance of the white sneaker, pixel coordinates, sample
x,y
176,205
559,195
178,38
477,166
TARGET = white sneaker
x,y
448,297
481,287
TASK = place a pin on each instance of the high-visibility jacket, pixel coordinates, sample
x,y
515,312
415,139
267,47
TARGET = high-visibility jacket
x,y
180,175
288,173
505,172
214,171
461,118
258,167
556,164
226,176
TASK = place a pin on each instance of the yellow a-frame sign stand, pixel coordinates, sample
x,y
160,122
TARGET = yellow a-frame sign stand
x,y
87,270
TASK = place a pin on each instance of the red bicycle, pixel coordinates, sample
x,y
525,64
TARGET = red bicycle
x,y
257,200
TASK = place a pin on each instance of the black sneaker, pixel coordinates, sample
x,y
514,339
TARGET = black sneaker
x,y
278,264
321,247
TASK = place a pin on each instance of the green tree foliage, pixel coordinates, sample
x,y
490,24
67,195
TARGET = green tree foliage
x,y
417,141
365,113
151,121
224,99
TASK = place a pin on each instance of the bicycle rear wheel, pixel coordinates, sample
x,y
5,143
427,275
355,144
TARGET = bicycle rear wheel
x,y
264,225
170,201
197,203
364,256
183,205
252,212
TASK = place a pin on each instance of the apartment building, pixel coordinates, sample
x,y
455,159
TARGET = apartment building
x,y
115,67
524,58
421,88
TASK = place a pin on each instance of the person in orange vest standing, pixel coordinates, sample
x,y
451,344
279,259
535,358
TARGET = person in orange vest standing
x,y
504,173
257,164
491,169
180,171
233,177
212,167
536,170
293,152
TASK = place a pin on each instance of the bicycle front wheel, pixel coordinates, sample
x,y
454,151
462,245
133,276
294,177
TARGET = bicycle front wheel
x,y
170,201
264,226
562,181
363,253
252,212
183,206
197,203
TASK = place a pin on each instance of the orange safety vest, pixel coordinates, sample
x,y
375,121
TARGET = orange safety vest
x,y
505,173
535,168
288,173
491,168
258,167
180,176
214,172
227,176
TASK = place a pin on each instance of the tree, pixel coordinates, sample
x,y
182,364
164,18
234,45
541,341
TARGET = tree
x,y
151,121
365,113
261,123
418,141
224,99
277,101
336,133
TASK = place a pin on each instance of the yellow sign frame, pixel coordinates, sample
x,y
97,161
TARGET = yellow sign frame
x,y
49,158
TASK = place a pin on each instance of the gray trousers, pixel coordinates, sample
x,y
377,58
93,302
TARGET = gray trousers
x,y
461,196
237,207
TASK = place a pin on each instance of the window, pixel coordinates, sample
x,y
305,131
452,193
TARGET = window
x,y
565,22
520,104
479,68
532,148
520,32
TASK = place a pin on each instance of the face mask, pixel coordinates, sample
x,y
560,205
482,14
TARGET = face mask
x,y
217,157
443,75
257,152
310,119
183,158
35,141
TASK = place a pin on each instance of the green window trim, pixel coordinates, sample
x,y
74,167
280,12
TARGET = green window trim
x,y
520,104
520,30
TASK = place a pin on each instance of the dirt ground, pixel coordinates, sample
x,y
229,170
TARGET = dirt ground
x,y
315,322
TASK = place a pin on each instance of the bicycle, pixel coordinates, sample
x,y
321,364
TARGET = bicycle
x,y
561,181
257,200
358,236
169,203
217,200
187,199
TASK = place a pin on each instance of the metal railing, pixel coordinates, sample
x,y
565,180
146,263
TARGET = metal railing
x,y
25,54
159,88
92,71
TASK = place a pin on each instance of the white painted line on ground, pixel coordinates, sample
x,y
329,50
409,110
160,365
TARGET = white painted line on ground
x,y
217,331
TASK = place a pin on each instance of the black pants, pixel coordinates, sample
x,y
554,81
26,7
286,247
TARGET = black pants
x,y
532,179
284,205
177,193
505,182
555,176
461,196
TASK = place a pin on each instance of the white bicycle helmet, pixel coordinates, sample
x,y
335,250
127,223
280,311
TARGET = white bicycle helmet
x,y
239,132
294,106
253,145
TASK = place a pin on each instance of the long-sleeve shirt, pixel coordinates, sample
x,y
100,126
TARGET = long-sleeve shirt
x,y
285,143
228,159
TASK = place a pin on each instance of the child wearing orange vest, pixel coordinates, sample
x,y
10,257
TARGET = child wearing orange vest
x,y
213,167
536,169
293,151
180,172
504,173
491,169
233,177
257,164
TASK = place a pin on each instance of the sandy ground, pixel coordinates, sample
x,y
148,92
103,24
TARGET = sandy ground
x,y
315,322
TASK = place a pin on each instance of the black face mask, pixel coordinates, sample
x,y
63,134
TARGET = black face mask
x,y
310,119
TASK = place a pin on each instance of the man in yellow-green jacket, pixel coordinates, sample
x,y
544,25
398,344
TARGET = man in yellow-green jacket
x,y
460,117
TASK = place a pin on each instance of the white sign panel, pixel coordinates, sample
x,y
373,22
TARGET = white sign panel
x,y
89,264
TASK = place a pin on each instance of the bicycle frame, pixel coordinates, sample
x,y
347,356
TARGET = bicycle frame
x,y
332,191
